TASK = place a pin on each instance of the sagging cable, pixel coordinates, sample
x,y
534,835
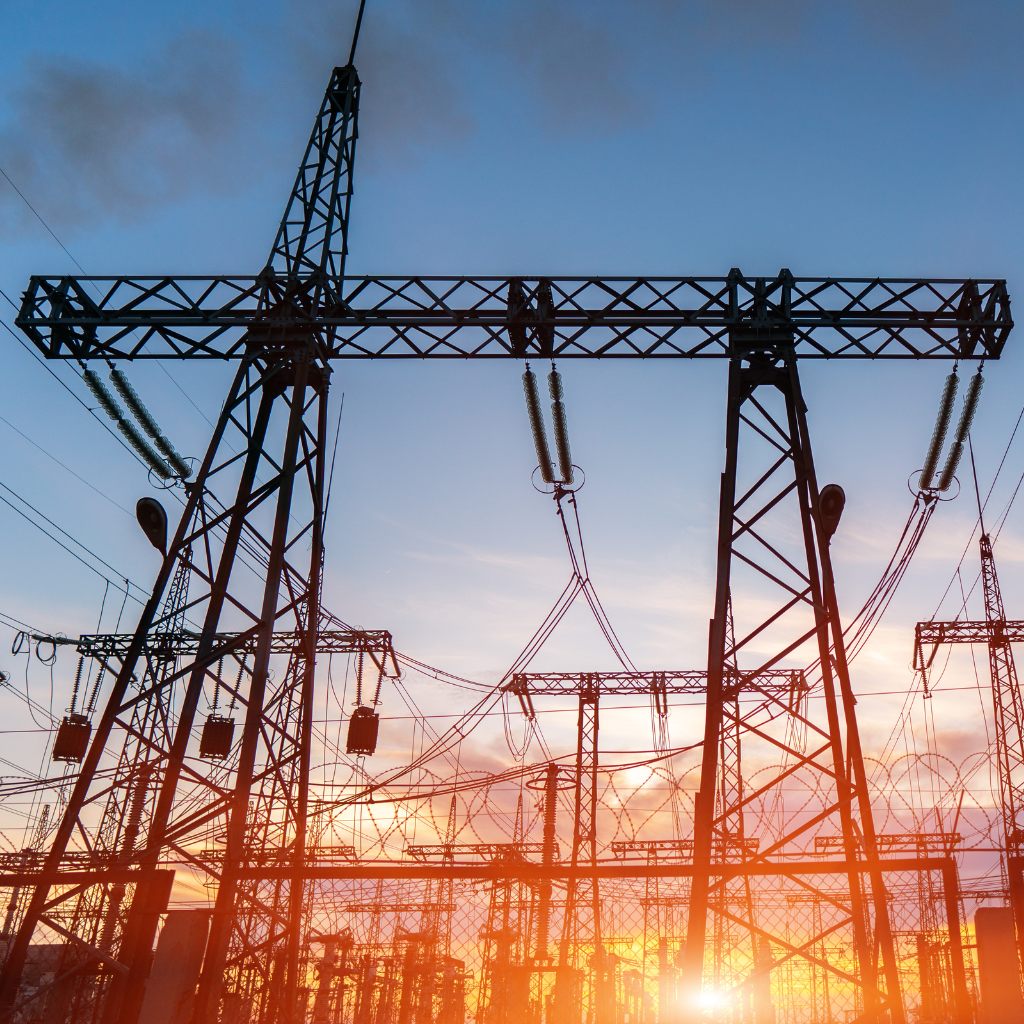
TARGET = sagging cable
x,y
181,468
963,428
540,437
559,425
931,460
127,428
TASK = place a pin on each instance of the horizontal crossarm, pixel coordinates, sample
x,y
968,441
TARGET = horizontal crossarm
x,y
487,317
970,632
691,681
185,643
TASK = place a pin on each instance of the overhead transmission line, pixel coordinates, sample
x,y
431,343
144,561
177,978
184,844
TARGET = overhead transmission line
x,y
92,554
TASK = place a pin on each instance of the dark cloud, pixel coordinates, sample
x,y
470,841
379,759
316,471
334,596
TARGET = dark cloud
x,y
89,141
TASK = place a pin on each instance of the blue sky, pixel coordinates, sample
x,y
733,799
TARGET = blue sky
x,y
858,138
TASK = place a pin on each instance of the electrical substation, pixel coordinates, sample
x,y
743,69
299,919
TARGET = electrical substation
x,y
761,875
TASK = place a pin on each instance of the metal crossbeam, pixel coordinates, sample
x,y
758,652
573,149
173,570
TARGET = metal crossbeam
x,y
492,851
890,841
224,317
185,643
982,632
679,847
685,681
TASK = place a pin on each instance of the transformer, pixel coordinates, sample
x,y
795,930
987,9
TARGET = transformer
x,y
218,734
72,739
362,731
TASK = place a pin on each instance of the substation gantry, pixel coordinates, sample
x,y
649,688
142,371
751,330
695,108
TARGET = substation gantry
x,y
998,634
259,492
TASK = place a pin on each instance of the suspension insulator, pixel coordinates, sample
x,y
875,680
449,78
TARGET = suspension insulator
x,y
931,460
559,426
142,414
540,437
963,428
102,395
78,684
131,831
150,457
134,438
550,805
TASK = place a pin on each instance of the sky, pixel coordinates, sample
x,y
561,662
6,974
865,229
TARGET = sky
x,y
856,138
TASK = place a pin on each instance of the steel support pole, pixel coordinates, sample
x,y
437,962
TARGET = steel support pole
x,y
832,657
951,894
309,644
771,367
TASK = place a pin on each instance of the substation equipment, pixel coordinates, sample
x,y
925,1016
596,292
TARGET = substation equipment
x,y
259,491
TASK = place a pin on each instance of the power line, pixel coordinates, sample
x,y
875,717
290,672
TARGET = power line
x,y
128,583
40,219
63,466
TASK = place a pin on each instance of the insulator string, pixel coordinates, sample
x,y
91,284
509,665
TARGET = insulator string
x,y
78,683
559,425
540,438
931,460
963,428
146,421
128,429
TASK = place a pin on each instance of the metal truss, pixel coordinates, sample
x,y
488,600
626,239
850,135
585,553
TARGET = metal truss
x,y
888,842
480,317
935,634
375,644
489,851
312,241
655,849
691,682
788,683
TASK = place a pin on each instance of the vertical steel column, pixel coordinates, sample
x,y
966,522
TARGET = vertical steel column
x,y
951,894
704,811
11,976
308,643
833,660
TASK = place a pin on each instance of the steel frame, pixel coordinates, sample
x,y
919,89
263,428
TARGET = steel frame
x,y
195,317
256,503
1007,702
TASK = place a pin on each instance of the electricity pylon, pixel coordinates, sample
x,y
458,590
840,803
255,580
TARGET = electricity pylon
x,y
253,512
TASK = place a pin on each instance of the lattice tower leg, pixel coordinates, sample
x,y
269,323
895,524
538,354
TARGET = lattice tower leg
x,y
763,496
